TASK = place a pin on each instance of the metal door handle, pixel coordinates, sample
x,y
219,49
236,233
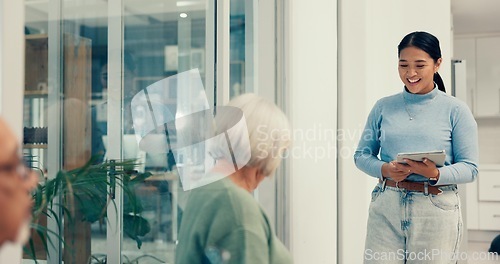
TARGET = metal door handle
x,y
112,179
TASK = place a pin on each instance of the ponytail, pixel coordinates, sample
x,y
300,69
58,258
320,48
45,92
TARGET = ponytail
x,y
439,81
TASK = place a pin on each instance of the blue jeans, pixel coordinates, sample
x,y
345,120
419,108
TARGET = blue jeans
x,y
413,227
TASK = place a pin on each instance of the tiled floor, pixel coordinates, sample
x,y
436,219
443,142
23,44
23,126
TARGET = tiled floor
x,y
163,253
477,254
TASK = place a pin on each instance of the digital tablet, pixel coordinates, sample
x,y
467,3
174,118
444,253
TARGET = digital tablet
x,y
437,156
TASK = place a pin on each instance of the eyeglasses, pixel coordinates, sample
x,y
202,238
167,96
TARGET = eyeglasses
x,y
18,168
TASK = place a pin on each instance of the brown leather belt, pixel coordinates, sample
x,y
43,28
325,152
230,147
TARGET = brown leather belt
x,y
414,186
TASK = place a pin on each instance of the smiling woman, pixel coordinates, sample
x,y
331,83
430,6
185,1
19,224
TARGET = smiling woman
x,y
417,70
419,61
415,206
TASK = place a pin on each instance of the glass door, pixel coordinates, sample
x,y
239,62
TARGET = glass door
x,y
86,63
108,84
57,125
160,66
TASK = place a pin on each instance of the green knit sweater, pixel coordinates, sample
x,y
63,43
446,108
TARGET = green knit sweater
x,y
223,223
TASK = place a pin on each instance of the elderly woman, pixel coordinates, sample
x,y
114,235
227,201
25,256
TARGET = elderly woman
x,y
223,223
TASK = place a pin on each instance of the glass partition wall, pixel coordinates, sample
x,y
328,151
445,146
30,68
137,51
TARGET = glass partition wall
x,y
88,65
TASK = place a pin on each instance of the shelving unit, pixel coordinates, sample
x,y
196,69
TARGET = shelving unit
x,y
75,122
36,65
35,101
35,94
35,146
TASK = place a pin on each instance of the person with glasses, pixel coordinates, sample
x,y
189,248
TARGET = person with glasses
x,y
16,182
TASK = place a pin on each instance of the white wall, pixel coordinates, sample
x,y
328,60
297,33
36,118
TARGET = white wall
x,y
311,84
354,105
12,84
12,62
369,32
265,30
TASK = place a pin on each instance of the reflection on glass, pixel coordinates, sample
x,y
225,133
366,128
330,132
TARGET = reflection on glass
x,y
237,48
161,39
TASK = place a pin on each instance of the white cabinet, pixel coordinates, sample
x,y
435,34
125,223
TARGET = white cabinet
x,y
483,199
488,75
489,216
482,56
489,185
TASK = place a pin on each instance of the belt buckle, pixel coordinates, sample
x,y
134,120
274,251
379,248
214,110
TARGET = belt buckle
x,y
401,189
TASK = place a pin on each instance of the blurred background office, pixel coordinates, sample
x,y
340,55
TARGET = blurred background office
x,y
323,62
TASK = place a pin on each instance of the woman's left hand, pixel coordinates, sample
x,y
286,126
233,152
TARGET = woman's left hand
x,y
426,168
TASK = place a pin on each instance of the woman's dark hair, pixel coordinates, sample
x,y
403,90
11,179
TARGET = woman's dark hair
x,y
428,43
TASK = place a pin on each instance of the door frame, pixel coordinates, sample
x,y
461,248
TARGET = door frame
x,y
217,54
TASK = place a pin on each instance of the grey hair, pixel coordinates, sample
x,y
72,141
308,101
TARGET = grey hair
x,y
269,132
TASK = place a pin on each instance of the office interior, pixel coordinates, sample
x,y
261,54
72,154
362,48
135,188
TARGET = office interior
x,y
69,68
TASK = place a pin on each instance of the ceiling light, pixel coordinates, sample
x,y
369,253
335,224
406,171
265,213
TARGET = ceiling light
x,y
183,15
187,3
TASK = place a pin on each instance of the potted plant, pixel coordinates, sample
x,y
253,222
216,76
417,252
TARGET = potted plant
x,y
84,194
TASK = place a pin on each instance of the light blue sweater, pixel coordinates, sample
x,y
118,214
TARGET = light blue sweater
x,y
440,122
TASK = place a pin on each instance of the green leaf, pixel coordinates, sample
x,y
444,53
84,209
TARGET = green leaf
x,y
135,226
87,188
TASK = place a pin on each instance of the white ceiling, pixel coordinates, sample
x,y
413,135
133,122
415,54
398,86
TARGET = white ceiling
x,y
476,16
95,12
469,16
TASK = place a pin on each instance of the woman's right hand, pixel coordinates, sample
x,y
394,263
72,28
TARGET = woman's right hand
x,y
396,173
